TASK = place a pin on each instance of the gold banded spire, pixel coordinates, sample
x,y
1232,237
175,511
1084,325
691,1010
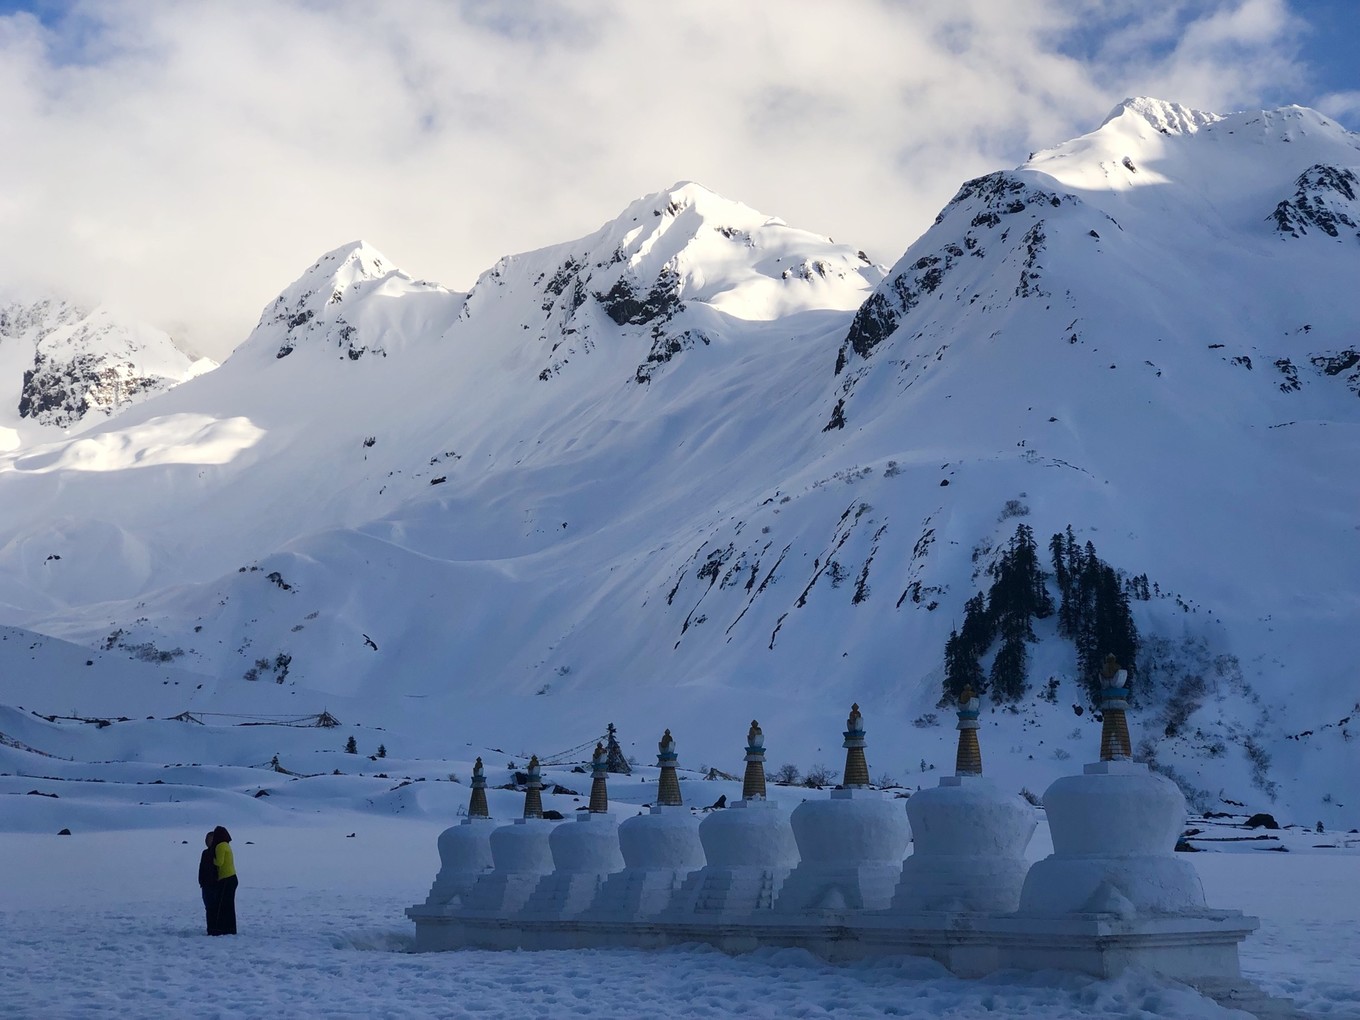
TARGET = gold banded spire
x,y
668,783
753,783
968,762
856,767
1115,744
533,791
477,803
599,793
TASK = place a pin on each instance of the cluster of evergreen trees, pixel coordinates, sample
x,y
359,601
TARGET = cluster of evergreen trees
x,y
1094,614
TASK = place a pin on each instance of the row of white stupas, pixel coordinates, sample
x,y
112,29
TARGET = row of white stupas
x,y
833,876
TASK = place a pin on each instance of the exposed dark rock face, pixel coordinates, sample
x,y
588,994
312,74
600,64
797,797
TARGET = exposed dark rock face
x,y
62,393
1325,199
1341,363
997,196
302,325
665,347
628,307
990,203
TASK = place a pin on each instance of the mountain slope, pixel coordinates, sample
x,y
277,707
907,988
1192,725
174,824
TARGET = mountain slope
x,y
698,467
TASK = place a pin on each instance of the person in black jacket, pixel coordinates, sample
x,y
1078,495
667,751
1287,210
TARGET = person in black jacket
x,y
207,881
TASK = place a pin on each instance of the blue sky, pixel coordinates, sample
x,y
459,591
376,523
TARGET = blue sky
x,y
189,159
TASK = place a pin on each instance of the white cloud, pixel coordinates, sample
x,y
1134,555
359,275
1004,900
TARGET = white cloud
x,y
1341,105
190,159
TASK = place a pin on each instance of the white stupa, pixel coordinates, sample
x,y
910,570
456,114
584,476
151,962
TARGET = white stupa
x,y
585,852
851,846
465,848
749,847
968,837
660,850
520,854
1114,831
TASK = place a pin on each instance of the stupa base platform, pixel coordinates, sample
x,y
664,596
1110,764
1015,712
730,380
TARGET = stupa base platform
x,y
1192,948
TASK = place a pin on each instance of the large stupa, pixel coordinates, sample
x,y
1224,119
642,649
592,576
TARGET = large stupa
x,y
749,847
1114,893
660,849
1114,831
520,855
585,852
465,848
968,837
851,845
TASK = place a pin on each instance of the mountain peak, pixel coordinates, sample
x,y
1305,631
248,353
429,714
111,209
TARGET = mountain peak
x,y
350,263
670,273
1167,117
322,306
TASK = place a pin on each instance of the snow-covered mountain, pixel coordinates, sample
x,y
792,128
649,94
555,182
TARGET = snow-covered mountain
x,y
60,364
700,466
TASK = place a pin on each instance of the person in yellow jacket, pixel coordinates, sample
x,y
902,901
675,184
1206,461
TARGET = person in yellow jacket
x,y
224,914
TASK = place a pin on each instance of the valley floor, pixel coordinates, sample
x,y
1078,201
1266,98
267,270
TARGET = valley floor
x,y
109,923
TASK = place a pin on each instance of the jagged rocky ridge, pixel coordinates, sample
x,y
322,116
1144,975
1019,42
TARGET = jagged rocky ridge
x,y
665,277
85,361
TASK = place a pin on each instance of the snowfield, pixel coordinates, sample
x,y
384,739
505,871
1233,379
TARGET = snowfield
x,y
109,923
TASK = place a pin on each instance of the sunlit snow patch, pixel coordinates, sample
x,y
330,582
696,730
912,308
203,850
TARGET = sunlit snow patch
x,y
173,439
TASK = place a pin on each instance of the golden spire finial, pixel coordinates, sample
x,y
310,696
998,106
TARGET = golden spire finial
x,y
533,790
477,802
968,761
599,793
1115,743
668,782
856,766
753,782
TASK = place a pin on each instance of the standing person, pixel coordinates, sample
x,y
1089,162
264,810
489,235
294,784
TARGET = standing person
x,y
225,912
207,882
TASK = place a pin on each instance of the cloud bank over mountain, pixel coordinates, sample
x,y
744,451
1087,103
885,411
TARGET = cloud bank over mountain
x,y
186,157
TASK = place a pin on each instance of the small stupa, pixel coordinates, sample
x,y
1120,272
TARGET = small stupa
x,y
520,854
465,848
749,847
851,845
969,837
1114,832
584,852
660,850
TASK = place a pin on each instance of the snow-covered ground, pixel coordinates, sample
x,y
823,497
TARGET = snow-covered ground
x,y
109,923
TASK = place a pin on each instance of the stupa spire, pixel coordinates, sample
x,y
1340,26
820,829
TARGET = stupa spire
x,y
477,803
668,792
599,793
753,783
968,762
1115,744
533,791
856,768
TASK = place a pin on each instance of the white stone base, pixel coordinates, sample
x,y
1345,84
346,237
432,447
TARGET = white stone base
x,y
1183,946
715,893
829,890
499,893
562,894
635,894
1198,949
975,883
